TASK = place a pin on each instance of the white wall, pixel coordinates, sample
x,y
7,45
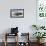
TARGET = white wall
x,y
24,24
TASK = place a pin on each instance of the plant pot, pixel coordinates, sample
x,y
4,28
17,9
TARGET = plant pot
x,y
40,41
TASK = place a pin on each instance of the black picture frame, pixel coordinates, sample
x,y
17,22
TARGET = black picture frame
x,y
16,13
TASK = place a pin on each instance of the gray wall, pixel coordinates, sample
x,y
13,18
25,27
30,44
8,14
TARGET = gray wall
x,y
24,24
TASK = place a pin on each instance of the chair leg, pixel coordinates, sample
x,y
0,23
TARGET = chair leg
x,y
5,43
5,40
17,39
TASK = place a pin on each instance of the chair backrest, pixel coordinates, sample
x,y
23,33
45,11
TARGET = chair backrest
x,y
14,30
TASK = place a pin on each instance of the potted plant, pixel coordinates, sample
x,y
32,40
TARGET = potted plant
x,y
39,35
42,27
38,27
35,26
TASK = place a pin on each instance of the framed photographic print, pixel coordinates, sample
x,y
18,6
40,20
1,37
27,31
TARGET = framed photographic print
x,y
41,8
17,13
41,12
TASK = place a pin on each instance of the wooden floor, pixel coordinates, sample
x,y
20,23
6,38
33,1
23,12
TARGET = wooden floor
x,y
13,44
